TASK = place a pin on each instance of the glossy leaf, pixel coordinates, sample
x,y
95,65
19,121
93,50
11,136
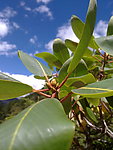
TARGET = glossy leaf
x,y
85,79
110,27
86,36
44,125
106,43
60,50
34,66
12,89
96,90
50,59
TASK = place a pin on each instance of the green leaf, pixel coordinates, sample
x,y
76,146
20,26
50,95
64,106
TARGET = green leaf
x,y
12,89
78,27
34,66
63,71
110,27
94,101
106,44
86,36
4,76
85,79
91,114
43,126
60,50
71,45
81,69
96,90
50,59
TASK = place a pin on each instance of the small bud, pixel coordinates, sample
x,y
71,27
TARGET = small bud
x,y
53,82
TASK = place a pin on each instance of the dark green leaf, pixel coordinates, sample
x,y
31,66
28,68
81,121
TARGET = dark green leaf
x,y
42,126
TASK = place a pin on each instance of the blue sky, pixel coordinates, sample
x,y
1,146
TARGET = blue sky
x,y
32,25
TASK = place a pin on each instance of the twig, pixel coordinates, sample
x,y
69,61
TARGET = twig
x,y
41,93
62,83
64,98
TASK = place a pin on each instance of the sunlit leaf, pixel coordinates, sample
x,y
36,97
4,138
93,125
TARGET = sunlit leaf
x,y
96,90
85,79
60,50
106,43
78,27
34,66
13,89
50,59
86,36
110,27
44,125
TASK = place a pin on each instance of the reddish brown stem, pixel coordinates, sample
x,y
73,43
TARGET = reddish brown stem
x,y
63,99
41,93
54,95
41,90
62,83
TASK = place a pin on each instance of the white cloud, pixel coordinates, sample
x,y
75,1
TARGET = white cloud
x,y
27,8
33,40
44,9
4,29
16,25
49,45
8,12
30,80
43,1
63,32
6,48
101,28
22,3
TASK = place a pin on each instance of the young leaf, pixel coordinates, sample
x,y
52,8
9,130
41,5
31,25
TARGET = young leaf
x,y
96,90
86,36
106,44
34,66
44,125
60,50
50,59
12,89
110,27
